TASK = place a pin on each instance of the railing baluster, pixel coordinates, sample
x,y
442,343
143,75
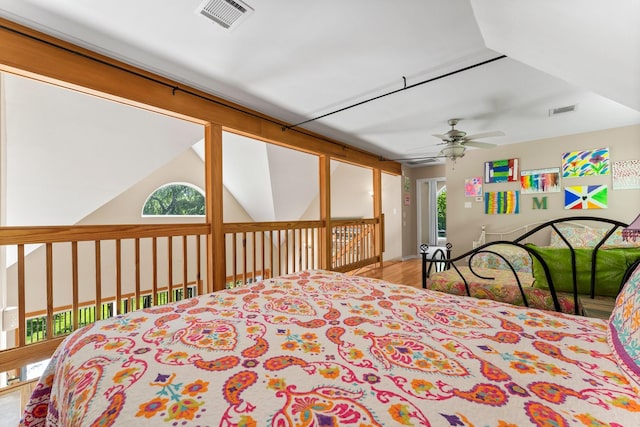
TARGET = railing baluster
x,y
21,295
118,304
199,285
49,324
74,284
244,258
185,271
98,302
137,266
154,272
170,296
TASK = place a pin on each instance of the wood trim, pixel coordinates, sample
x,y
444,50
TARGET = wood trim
x,y
79,233
15,358
36,55
325,212
216,258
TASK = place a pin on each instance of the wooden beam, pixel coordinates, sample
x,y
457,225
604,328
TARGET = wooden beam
x,y
216,258
36,55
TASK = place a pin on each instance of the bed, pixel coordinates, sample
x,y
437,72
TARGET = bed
x,y
320,348
564,265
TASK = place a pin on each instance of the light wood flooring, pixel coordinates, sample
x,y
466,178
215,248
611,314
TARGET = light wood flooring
x,y
404,272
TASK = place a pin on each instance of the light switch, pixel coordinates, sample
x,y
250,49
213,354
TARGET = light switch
x,y
10,319
467,205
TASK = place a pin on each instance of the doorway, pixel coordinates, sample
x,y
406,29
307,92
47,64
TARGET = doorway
x,y
431,215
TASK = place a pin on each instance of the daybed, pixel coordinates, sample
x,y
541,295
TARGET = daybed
x,y
585,259
320,348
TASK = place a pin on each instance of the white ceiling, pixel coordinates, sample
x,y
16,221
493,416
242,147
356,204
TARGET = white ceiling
x,y
296,60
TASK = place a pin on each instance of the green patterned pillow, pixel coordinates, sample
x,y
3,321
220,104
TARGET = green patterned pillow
x,y
611,265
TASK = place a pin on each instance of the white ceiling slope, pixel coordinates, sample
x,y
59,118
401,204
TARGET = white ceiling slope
x,y
270,182
593,44
69,153
297,60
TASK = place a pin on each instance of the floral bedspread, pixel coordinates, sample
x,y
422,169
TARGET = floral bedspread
x,y
326,349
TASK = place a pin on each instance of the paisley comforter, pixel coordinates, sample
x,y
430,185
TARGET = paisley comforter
x,y
320,348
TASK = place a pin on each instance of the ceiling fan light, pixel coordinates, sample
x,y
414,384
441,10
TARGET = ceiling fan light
x,y
453,152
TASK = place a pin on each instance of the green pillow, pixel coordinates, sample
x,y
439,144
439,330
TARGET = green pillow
x,y
611,265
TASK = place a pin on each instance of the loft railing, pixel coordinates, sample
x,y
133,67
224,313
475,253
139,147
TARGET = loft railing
x,y
56,272
353,244
63,277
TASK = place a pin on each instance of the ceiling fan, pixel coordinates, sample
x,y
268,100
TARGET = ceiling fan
x,y
456,143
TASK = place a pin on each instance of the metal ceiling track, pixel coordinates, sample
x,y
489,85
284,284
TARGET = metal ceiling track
x,y
488,61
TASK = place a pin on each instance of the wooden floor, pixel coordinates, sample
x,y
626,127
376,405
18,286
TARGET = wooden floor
x,y
404,272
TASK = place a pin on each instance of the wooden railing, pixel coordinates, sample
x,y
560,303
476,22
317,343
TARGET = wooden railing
x,y
274,247
59,267
353,244
64,277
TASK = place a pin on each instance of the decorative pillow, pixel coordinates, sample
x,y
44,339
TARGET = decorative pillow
x,y
517,257
616,241
624,329
578,237
611,264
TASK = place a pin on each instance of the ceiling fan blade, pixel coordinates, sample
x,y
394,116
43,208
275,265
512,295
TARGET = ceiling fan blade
x,y
406,159
439,136
485,134
478,144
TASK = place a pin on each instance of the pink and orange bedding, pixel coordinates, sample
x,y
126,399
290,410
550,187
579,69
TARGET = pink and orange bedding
x,y
320,348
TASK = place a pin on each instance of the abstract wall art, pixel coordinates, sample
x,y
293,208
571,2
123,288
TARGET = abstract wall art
x,y
585,163
540,181
502,202
585,197
625,174
473,186
501,171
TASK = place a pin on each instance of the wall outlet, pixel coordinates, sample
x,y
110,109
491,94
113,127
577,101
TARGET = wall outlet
x,y
10,319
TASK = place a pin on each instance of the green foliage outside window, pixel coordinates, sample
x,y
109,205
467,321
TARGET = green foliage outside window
x,y
441,201
175,199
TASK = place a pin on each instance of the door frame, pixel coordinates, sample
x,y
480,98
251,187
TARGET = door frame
x,y
433,209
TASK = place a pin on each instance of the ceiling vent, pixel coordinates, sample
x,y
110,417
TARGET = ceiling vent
x,y
562,110
227,13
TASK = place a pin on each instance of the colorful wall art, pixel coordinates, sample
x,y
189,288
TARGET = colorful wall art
x,y
502,202
473,186
585,163
585,197
540,181
501,171
625,174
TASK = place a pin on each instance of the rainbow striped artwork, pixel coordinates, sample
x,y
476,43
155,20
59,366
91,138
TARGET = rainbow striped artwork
x,y
585,163
540,181
502,202
501,171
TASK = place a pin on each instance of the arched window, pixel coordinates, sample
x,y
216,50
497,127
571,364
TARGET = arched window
x,y
175,199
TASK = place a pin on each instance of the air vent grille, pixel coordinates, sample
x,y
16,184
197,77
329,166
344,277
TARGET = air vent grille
x,y
227,13
562,110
